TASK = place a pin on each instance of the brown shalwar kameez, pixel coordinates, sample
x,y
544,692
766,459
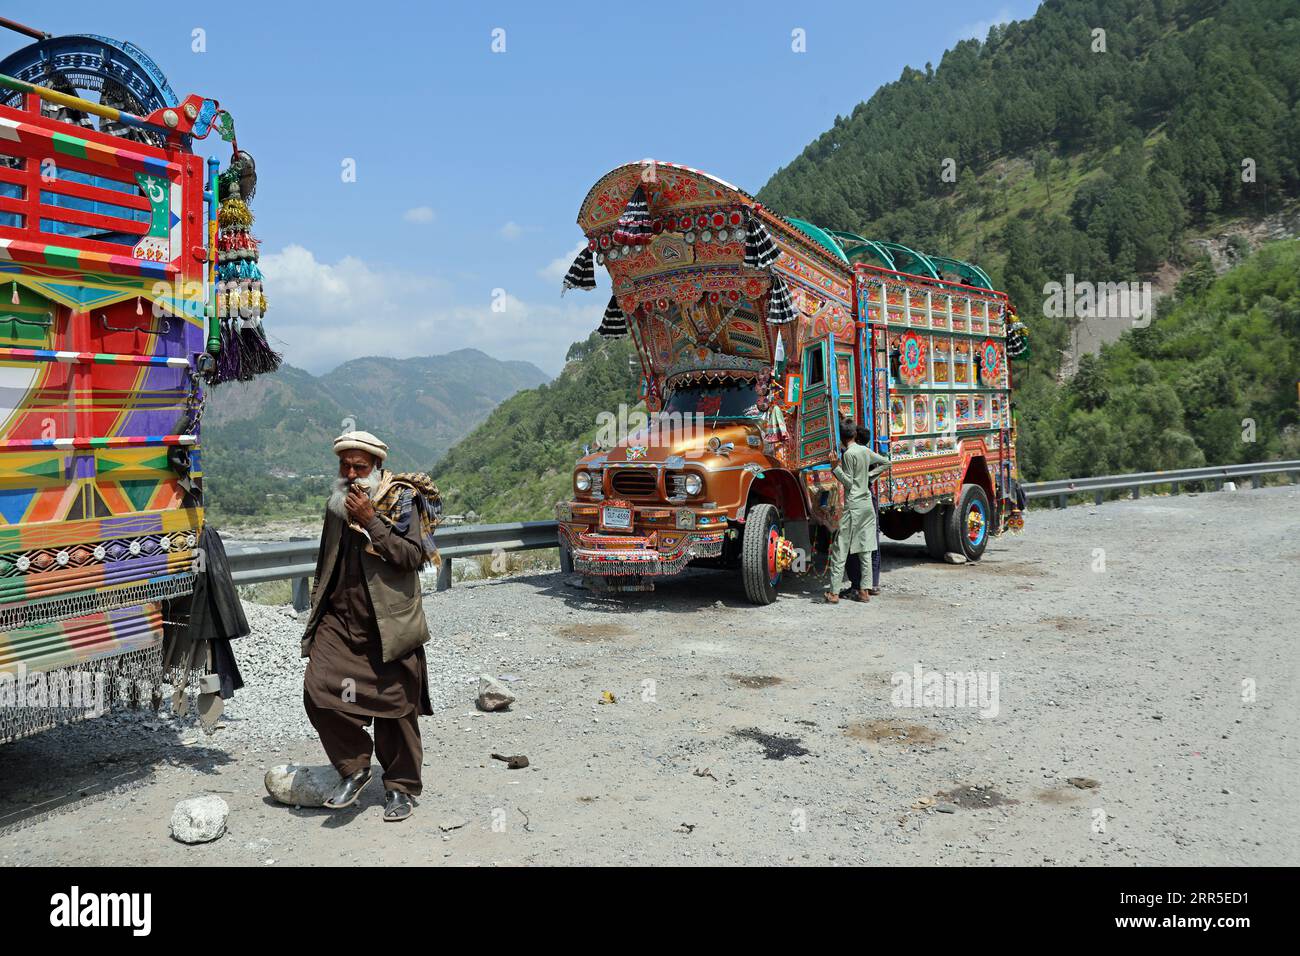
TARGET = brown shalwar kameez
x,y
347,683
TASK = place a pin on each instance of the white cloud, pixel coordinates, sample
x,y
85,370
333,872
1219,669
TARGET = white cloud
x,y
321,314
558,268
979,30
419,214
511,231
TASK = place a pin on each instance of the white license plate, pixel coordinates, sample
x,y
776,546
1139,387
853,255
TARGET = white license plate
x,y
618,518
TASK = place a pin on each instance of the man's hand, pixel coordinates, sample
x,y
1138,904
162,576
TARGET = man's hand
x,y
360,508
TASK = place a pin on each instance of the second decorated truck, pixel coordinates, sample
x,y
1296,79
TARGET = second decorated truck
x,y
757,336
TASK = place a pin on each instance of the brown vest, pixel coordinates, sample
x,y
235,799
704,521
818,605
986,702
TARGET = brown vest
x,y
394,594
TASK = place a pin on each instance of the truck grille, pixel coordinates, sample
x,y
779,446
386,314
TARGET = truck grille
x,y
635,483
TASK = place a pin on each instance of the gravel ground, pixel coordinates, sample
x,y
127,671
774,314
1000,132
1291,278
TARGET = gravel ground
x,y
1146,714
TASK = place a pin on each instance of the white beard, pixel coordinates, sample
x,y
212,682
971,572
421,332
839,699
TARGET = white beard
x,y
337,502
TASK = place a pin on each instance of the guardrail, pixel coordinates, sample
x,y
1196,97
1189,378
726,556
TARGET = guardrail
x,y
252,563
1215,475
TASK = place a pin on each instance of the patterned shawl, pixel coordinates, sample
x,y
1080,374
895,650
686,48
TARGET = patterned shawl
x,y
397,497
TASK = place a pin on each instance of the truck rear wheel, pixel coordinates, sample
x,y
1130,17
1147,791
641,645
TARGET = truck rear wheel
x,y
932,522
758,568
967,524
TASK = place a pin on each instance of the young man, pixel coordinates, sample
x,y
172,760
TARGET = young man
x,y
857,531
853,567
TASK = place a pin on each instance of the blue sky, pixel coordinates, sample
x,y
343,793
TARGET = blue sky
x,y
470,164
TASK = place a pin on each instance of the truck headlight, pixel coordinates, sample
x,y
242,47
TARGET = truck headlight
x,y
582,481
694,484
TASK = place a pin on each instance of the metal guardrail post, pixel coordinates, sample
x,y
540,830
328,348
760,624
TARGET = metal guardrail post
x,y
1099,497
1137,492
1257,481
301,594
444,575
566,559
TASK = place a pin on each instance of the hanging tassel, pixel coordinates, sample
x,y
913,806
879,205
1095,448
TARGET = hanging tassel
x,y
138,309
634,228
15,299
614,323
780,306
760,250
582,274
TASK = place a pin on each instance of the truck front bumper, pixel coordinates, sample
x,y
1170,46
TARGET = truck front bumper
x,y
620,555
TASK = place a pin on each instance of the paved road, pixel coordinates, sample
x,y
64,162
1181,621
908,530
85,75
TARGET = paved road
x,y
1163,686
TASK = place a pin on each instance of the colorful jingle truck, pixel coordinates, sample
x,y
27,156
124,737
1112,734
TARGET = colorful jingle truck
x,y
757,335
108,329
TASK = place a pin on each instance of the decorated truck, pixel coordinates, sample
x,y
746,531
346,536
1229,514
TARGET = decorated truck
x,y
123,298
757,335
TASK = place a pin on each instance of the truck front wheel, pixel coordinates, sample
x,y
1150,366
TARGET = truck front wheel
x,y
758,567
967,524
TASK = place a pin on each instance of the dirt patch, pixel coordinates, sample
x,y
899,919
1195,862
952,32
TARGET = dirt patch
x,y
589,633
1070,625
754,681
893,732
1063,796
975,798
775,746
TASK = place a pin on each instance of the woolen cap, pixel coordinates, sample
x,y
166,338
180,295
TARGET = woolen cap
x,y
360,441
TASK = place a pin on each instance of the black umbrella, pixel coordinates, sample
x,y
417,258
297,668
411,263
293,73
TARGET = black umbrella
x,y
582,274
615,322
634,227
760,250
780,307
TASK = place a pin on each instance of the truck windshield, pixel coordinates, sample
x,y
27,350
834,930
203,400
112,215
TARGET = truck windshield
x,y
723,400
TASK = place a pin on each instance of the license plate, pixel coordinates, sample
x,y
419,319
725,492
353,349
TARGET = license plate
x,y
618,518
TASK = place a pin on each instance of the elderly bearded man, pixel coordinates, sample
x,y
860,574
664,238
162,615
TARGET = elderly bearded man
x,y
366,633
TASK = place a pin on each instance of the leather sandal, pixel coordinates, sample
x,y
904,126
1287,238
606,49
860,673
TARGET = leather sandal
x,y
348,790
397,806
832,598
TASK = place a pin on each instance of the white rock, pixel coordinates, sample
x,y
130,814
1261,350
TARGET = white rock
x,y
492,694
1229,486
952,557
200,819
301,786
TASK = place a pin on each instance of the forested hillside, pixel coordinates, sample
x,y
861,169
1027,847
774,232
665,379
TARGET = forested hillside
x,y
519,462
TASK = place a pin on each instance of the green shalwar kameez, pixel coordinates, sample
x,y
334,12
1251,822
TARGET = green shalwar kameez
x,y
857,532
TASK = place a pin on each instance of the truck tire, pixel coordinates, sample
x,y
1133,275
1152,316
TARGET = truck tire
x,y
758,554
932,523
967,525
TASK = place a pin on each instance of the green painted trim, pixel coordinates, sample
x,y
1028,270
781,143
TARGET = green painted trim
x,y
821,237
917,257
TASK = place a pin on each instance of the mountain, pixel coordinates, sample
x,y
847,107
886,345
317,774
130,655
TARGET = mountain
x,y
519,462
261,436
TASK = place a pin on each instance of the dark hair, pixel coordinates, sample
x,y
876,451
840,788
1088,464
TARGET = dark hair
x,y
862,436
847,432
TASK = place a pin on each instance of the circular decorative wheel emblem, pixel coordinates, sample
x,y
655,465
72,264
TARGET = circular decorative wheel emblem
x,y
975,524
912,356
992,359
23,563
62,558
734,219
684,222
135,547
100,552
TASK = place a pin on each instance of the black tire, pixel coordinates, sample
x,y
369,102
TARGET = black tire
x,y
964,534
755,565
932,522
